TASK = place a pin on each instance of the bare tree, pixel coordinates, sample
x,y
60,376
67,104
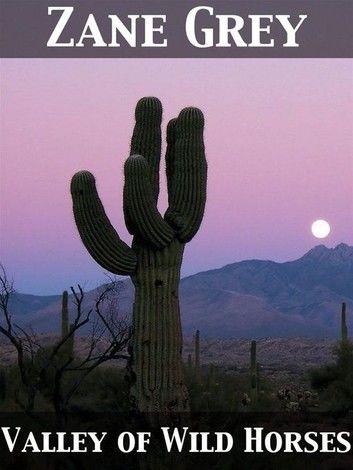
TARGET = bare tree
x,y
48,368
108,329
22,342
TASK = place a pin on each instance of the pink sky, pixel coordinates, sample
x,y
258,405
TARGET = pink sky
x,y
278,139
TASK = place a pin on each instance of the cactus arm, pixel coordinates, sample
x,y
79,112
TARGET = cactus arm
x,y
186,173
140,209
96,231
169,156
173,217
146,139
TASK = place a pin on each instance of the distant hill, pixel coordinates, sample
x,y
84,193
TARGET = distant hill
x,y
264,298
252,298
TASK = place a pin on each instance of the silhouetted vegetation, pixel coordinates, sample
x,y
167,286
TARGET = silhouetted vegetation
x,y
334,382
50,375
89,372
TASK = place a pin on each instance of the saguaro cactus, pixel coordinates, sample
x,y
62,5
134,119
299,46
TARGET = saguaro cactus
x,y
344,330
253,373
258,377
154,260
189,364
64,315
66,326
197,357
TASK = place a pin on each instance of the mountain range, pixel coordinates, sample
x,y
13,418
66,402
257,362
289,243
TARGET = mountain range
x,y
252,298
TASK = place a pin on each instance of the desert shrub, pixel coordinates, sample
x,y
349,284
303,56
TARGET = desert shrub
x,y
297,399
3,385
334,381
104,389
224,390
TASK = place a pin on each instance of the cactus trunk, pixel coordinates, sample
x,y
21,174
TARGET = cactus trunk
x,y
157,340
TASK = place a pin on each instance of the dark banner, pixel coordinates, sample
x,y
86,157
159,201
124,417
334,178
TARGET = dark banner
x,y
176,29
203,440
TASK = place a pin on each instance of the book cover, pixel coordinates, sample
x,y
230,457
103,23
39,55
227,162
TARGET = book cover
x,y
176,281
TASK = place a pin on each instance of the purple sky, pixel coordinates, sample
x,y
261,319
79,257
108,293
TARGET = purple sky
x,y
278,139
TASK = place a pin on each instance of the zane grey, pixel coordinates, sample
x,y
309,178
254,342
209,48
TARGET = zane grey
x,y
225,31
190,28
290,29
91,30
118,25
94,33
258,29
64,18
150,29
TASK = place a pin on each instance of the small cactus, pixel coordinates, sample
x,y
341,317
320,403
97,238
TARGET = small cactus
x,y
245,401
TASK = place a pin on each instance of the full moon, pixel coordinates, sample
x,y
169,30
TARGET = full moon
x,y
320,228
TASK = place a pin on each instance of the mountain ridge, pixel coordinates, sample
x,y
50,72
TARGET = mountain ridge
x,y
250,298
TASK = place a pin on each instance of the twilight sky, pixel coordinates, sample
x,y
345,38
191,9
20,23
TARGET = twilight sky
x,y
279,141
